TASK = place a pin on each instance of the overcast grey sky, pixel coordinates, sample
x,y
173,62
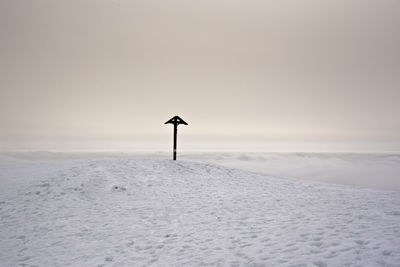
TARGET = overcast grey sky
x,y
298,70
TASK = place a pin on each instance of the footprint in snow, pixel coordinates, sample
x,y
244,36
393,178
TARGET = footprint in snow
x,y
320,264
119,188
361,242
393,213
109,259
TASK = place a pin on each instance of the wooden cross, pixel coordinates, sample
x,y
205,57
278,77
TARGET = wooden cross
x,y
175,121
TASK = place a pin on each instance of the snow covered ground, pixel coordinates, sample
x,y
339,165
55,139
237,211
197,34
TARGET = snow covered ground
x,y
373,170
116,210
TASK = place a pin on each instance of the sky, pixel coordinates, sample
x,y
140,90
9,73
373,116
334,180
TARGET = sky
x,y
246,73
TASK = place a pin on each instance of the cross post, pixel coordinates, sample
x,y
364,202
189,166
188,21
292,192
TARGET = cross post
x,y
175,121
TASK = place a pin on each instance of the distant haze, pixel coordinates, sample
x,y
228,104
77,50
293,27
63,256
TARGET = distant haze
x,y
244,72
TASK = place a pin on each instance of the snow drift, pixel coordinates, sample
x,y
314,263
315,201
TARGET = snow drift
x,y
379,171
156,212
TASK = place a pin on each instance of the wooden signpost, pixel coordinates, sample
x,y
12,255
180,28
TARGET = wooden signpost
x,y
176,121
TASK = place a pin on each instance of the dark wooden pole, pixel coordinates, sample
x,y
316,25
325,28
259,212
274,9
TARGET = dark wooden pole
x,y
175,138
175,121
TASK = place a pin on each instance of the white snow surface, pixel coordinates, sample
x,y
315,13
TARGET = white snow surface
x,y
373,170
156,212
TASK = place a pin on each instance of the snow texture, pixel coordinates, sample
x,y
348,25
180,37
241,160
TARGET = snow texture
x,y
380,171
157,212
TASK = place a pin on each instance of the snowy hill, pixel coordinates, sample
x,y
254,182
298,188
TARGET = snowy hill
x,y
156,212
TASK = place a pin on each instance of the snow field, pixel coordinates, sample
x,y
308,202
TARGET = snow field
x,y
155,212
